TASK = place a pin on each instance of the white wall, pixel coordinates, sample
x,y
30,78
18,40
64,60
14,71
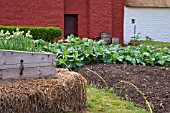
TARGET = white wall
x,y
152,22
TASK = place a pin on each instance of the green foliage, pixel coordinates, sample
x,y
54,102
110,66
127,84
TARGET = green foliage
x,y
46,33
136,37
148,38
19,41
81,52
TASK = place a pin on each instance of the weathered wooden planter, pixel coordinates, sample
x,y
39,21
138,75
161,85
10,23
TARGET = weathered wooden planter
x,y
18,64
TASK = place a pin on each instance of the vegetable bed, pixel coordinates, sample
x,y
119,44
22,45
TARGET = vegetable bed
x,y
153,81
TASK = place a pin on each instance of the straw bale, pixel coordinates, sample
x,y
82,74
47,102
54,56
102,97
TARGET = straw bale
x,y
147,3
61,93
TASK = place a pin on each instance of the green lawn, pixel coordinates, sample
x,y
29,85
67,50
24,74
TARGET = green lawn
x,y
101,101
155,43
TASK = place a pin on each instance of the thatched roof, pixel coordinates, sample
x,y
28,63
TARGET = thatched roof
x,y
147,3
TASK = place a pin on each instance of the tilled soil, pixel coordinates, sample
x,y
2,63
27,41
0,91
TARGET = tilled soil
x,y
154,82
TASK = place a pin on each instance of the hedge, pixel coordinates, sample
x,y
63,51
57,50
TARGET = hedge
x,y
46,33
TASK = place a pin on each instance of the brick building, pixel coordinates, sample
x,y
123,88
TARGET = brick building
x,y
84,18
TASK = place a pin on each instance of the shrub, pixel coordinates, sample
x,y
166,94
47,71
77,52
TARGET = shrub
x,y
46,33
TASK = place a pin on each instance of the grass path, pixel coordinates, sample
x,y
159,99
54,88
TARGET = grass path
x,y
155,43
101,101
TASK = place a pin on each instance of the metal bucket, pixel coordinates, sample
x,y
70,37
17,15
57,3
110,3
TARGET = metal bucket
x,y
115,40
107,37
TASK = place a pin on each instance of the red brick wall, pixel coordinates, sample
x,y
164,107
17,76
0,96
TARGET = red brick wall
x,y
79,7
100,17
118,19
32,12
94,16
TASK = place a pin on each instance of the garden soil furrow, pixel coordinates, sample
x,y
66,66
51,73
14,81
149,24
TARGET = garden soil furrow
x,y
154,82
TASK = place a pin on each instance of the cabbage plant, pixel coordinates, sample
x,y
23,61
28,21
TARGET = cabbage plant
x,y
78,52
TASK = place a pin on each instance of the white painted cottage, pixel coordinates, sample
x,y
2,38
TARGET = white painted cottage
x,y
151,18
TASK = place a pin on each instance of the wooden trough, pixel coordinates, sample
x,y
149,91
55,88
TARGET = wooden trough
x,y
19,64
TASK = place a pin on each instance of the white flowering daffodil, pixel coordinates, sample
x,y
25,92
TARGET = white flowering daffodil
x,y
17,29
7,33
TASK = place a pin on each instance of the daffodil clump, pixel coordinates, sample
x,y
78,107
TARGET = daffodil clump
x,y
20,41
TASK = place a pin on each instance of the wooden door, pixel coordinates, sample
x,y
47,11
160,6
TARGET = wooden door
x,y
70,25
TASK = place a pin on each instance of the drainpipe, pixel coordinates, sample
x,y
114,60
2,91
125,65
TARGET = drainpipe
x,y
133,22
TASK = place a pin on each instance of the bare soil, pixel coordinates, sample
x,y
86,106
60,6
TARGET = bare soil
x,y
154,82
